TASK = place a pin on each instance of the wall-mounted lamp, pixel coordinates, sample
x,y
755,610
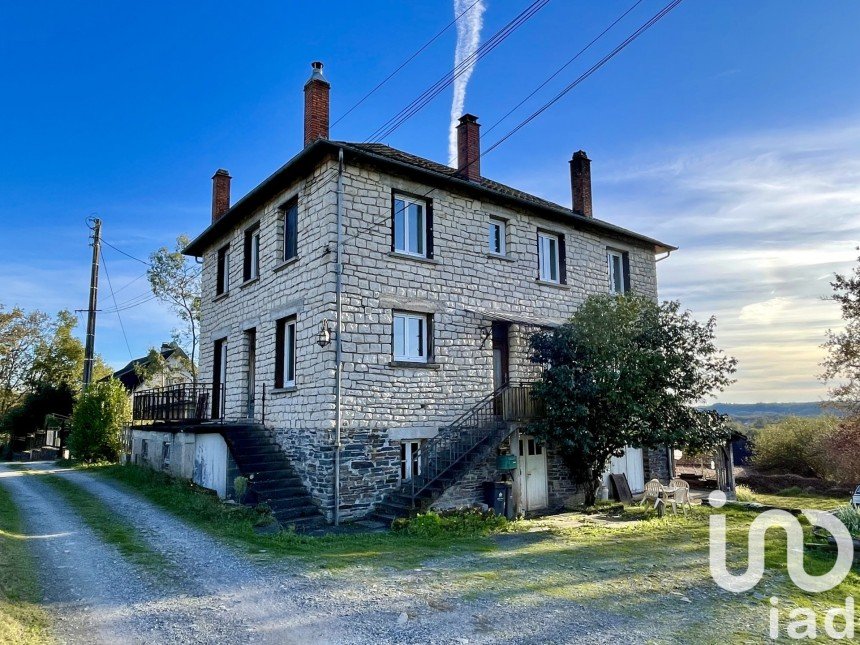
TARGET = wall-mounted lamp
x,y
324,337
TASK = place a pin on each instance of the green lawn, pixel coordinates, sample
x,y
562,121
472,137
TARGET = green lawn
x,y
793,499
22,620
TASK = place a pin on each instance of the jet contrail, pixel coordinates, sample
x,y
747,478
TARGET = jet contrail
x,y
468,38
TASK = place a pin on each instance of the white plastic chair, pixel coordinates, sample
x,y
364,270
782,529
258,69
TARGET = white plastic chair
x,y
682,495
653,490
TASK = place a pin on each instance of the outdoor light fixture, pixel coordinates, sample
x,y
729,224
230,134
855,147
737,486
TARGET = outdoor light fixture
x,y
324,337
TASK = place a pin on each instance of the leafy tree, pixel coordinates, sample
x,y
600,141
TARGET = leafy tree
x,y
842,366
155,365
98,420
29,414
175,280
58,357
20,334
625,371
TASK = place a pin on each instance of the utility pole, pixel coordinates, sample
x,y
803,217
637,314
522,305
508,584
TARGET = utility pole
x,y
89,355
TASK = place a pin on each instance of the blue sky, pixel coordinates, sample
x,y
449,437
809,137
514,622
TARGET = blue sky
x,y
730,129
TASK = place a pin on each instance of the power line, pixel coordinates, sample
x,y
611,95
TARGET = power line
x,y
563,67
128,255
121,326
405,63
650,23
644,27
434,90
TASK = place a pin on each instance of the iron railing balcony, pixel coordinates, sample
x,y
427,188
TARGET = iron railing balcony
x,y
180,402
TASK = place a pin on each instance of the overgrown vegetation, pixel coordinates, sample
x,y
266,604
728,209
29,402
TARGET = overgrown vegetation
x,y
98,421
461,523
625,371
22,620
850,517
112,528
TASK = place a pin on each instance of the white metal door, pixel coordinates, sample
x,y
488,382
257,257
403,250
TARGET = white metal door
x,y
532,473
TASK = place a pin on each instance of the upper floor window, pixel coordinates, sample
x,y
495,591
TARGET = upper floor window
x,y
291,230
222,279
252,253
496,229
619,271
411,226
285,352
411,337
551,258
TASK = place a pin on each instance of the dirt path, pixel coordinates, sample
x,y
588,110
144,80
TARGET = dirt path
x,y
209,593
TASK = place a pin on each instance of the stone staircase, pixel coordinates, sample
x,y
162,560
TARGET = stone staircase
x,y
445,459
271,476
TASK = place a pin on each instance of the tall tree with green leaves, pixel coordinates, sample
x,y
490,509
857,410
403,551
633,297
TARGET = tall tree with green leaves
x,y
842,365
626,371
20,335
175,279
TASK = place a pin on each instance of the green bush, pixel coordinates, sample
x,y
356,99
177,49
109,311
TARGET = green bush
x,y
795,445
458,523
850,517
98,420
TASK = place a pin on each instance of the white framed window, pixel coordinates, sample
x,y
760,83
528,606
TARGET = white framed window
x,y
410,226
411,337
617,278
549,264
410,459
496,236
285,353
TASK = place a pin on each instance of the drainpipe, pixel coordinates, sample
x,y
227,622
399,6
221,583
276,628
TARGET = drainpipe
x,y
337,336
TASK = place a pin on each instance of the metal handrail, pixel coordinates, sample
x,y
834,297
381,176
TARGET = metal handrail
x,y
487,420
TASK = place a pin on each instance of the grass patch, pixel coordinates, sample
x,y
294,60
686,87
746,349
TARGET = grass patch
x,y
22,620
791,498
110,527
236,525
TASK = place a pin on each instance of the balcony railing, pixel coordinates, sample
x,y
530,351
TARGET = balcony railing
x,y
181,402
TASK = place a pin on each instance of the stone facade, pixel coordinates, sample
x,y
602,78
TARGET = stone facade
x,y
462,287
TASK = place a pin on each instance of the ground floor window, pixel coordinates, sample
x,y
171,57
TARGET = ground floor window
x,y
410,463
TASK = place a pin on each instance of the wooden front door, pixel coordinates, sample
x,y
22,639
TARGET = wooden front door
x,y
531,473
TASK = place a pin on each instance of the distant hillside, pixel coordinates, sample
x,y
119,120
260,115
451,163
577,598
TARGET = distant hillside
x,y
752,412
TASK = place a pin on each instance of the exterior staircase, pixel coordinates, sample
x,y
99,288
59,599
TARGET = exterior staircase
x,y
271,475
445,458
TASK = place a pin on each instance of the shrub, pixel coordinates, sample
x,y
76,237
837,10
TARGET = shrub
x,y
850,517
97,422
744,494
842,450
460,523
795,445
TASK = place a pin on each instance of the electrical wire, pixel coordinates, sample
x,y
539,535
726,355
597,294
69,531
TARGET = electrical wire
x,y
434,90
113,295
404,63
128,255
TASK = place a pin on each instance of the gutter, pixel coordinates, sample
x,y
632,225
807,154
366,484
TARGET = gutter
x,y
337,336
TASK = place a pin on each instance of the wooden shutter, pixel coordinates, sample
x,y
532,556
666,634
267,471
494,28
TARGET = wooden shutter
x,y
279,353
428,217
625,261
562,260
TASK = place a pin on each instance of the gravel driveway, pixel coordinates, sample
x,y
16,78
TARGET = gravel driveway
x,y
210,593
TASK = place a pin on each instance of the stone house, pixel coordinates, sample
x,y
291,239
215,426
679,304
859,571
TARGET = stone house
x,y
362,305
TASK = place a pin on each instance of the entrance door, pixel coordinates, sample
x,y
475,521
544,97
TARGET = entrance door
x,y
219,378
500,354
251,373
630,464
532,473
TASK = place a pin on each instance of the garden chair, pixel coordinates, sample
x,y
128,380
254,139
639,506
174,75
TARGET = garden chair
x,y
653,490
682,494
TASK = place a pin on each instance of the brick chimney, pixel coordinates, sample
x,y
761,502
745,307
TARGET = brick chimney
x,y
220,194
316,105
580,183
469,147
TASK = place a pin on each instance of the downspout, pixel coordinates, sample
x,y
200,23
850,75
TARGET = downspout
x,y
337,336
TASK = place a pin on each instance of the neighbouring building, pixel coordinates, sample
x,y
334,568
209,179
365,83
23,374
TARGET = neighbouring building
x,y
140,373
444,275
